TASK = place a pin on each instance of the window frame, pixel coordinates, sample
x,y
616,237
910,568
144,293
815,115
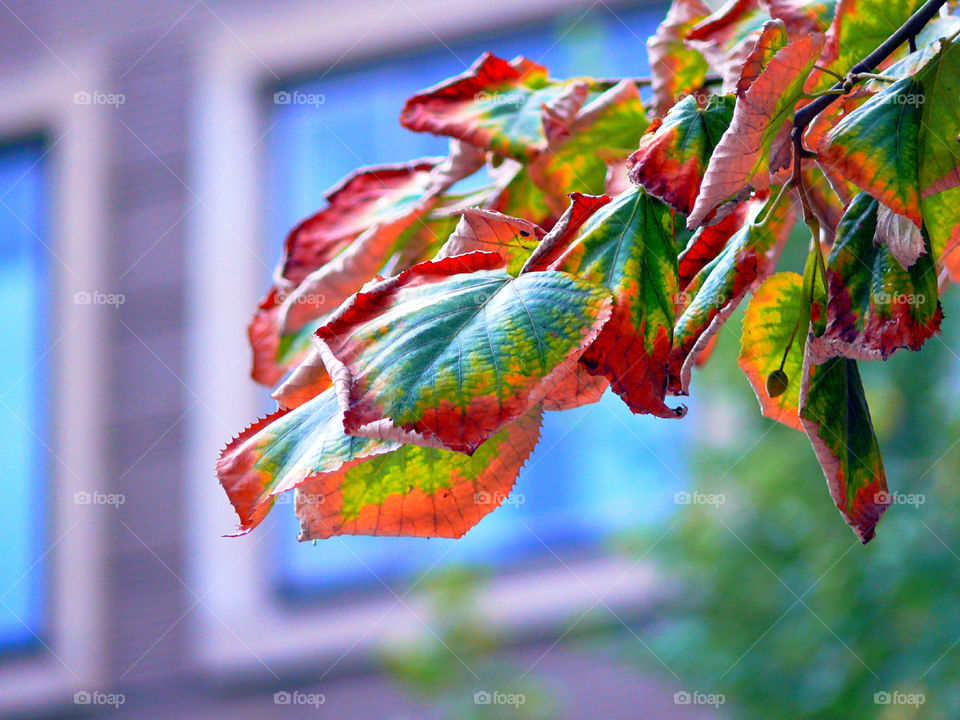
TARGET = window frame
x,y
246,626
39,100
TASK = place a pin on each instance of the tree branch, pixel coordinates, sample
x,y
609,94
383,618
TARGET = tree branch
x,y
905,33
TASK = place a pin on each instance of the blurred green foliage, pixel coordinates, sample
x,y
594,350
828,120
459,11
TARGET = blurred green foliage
x,y
779,607
456,666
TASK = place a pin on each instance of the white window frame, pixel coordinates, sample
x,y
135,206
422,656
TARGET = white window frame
x,y
40,99
243,627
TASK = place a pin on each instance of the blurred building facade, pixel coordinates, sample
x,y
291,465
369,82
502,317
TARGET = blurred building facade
x,y
163,172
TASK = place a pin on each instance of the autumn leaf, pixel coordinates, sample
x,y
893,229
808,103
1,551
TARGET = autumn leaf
x,y
575,389
802,16
571,162
627,246
514,239
876,146
417,491
728,36
858,28
939,150
353,485
835,416
874,305
709,241
744,149
387,198
716,291
769,326
279,453
554,243
676,70
773,38
942,222
674,152
447,353
518,196
497,105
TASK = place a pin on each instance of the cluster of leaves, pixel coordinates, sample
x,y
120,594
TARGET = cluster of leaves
x,y
422,331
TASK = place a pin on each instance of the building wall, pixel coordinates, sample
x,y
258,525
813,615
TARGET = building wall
x,y
149,52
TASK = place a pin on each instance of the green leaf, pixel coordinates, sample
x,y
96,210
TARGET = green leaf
x,y
877,147
859,27
874,305
835,416
627,247
448,352
675,151
939,149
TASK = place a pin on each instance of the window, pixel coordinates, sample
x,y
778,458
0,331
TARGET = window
x,y
23,413
594,469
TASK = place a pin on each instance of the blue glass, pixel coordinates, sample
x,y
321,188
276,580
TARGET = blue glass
x,y
24,293
595,470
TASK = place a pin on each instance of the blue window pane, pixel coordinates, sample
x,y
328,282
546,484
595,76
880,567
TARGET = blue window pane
x,y
23,295
596,468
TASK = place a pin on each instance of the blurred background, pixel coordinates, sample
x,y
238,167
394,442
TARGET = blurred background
x,y
152,157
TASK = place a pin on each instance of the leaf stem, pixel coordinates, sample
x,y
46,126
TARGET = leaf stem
x,y
828,71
